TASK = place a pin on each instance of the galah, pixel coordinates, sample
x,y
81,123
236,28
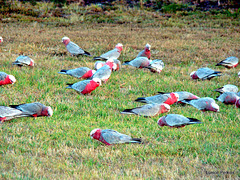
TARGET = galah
x,y
73,48
160,98
115,64
183,95
139,62
6,79
35,109
230,62
203,104
177,121
80,73
113,54
103,73
8,113
85,86
156,66
109,137
205,73
148,110
1,39
228,98
23,61
227,88
146,52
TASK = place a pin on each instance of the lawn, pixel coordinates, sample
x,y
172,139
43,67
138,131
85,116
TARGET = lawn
x,y
59,147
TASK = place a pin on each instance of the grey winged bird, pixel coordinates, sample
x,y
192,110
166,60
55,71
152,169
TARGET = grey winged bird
x,y
177,121
73,48
109,137
113,54
34,109
23,61
148,110
8,113
139,62
230,62
227,88
228,98
103,73
205,73
80,73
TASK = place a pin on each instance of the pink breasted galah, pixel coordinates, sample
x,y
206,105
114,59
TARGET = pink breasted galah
x,y
205,73
6,79
23,61
228,98
109,137
35,109
160,98
80,73
177,121
85,86
183,95
103,73
203,104
139,62
230,62
227,88
113,54
73,48
146,52
148,110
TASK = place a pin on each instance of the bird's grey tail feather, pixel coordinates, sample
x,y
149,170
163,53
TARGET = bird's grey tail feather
x,y
99,58
194,121
126,63
141,99
127,111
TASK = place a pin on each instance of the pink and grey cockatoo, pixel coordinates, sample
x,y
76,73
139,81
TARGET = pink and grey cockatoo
x,y
156,66
230,62
1,39
139,62
99,64
85,86
183,95
176,121
8,113
23,61
103,73
205,73
35,109
160,98
227,88
148,110
146,52
113,54
116,65
228,98
80,73
203,104
73,48
109,137
6,79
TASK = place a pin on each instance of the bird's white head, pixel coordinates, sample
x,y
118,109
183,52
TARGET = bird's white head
x,y
12,78
239,74
93,71
119,45
1,39
65,38
50,111
167,106
98,81
215,107
192,73
92,133
114,66
148,46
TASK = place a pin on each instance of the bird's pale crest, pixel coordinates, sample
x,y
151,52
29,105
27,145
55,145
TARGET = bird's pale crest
x,y
64,38
192,73
12,78
97,80
93,132
148,46
50,111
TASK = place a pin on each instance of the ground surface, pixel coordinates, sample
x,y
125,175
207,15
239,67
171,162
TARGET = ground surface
x,y
59,147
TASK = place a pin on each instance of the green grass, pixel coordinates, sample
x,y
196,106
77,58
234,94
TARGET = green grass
x,y
60,147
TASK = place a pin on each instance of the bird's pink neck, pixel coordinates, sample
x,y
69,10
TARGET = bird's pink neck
x,y
6,81
119,48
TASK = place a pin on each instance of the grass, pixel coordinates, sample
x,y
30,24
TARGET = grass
x,y
59,147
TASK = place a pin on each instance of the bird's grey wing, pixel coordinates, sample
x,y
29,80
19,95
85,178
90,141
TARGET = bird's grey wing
x,y
30,108
176,120
3,75
141,54
111,136
231,60
9,112
80,86
158,99
78,72
113,54
204,72
147,110
74,49
137,62
23,60
103,73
